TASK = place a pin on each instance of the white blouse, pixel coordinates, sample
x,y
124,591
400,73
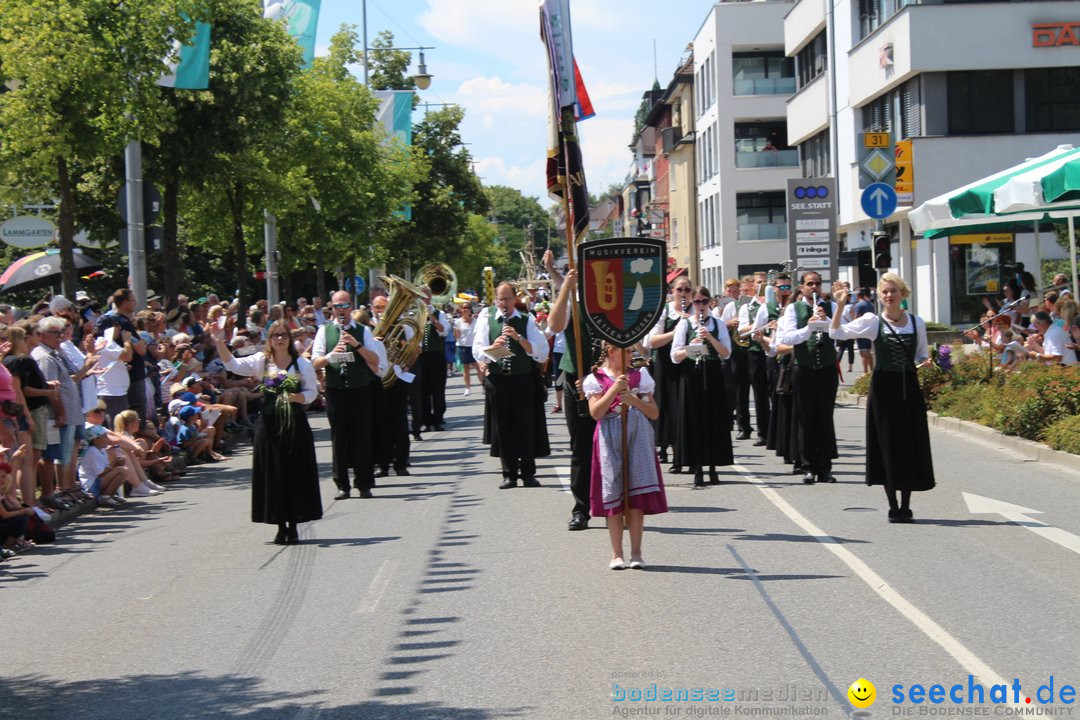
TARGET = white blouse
x,y
256,366
714,326
866,326
658,329
591,386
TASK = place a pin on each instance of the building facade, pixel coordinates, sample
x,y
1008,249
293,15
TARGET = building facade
x,y
964,90
742,81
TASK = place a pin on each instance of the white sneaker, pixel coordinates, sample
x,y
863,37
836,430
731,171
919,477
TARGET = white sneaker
x,y
142,491
466,392
153,485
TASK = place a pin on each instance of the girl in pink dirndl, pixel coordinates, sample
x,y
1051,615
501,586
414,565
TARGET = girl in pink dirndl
x,y
609,385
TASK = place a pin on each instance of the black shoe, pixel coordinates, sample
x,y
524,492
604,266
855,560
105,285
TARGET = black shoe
x,y
797,469
342,494
663,456
906,516
699,478
365,492
439,427
714,479
508,483
675,469
760,442
402,472
416,436
530,482
281,537
292,537
894,516
578,521
825,477
382,472
808,478
743,435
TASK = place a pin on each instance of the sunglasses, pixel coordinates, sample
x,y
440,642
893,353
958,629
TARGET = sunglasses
x,y
702,302
783,287
342,306
281,336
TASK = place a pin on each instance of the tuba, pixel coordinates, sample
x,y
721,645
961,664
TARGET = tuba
x,y
440,279
404,308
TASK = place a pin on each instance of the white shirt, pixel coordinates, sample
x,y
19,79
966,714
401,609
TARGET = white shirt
x,y
318,348
866,326
1054,340
115,381
320,317
559,346
88,385
716,327
93,463
439,317
591,385
481,336
465,331
256,366
787,330
670,313
760,319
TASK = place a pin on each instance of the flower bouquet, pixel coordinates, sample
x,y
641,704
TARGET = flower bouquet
x,y
281,385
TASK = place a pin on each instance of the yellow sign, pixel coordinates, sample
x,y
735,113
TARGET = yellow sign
x,y
983,239
876,140
905,171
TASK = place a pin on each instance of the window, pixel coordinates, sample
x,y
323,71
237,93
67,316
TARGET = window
x,y
1052,99
761,215
898,112
763,73
763,144
980,101
812,60
815,157
874,13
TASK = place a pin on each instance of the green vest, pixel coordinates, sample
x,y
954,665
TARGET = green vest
x,y
568,363
691,333
894,352
519,363
433,341
732,334
350,375
819,350
751,313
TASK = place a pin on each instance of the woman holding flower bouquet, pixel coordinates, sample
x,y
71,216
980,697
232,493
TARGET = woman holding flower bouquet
x,y
897,437
284,475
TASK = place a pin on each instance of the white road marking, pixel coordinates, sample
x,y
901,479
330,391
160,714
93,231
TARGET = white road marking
x,y
965,657
564,477
379,583
1018,514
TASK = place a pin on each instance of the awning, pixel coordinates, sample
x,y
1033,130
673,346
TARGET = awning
x,y
674,274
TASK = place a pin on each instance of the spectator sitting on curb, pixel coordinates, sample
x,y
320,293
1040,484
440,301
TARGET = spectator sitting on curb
x,y
1053,348
100,475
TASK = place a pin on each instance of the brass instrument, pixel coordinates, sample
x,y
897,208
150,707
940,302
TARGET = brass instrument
x,y
406,307
440,279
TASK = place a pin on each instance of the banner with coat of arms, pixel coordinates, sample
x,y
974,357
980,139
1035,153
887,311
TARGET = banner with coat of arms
x,y
622,286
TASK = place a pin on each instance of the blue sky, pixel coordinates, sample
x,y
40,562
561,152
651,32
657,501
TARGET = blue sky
x,y
488,58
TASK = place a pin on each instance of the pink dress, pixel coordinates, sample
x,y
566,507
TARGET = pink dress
x,y
646,483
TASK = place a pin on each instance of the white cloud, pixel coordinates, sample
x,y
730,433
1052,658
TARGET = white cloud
x,y
500,28
491,94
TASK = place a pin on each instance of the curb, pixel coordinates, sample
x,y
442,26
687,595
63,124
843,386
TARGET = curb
x,y
1037,451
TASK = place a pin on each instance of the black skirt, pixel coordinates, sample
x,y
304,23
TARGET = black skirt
x,y
515,421
897,436
284,473
705,430
666,374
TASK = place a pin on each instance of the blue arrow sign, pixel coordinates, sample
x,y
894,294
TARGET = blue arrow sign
x,y
361,285
878,200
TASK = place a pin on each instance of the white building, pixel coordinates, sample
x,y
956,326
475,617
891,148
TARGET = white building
x,y
972,87
742,80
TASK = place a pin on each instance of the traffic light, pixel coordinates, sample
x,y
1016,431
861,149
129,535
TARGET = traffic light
x,y
882,251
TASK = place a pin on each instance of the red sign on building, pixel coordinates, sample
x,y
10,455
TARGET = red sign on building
x,y
1055,34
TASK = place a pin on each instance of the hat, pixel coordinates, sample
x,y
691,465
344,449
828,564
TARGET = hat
x,y
190,380
151,295
172,315
189,397
176,387
175,405
188,410
81,295
94,432
181,298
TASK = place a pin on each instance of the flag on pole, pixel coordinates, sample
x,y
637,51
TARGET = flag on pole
x,y
302,20
395,116
189,63
566,104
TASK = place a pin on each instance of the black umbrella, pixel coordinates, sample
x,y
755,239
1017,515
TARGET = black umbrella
x,y
41,269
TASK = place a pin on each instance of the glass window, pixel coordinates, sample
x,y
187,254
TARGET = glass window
x,y
815,156
1052,97
763,73
812,60
980,101
763,144
761,215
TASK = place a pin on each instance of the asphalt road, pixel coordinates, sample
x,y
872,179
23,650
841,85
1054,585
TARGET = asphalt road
x,y
444,597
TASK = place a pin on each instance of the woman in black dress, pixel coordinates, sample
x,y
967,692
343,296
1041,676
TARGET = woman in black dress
x,y
666,372
284,474
700,342
897,437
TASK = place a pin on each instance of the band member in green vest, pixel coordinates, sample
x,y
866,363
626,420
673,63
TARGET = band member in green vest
x,y
805,325
580,424
433,367
511,386
352,359
897,436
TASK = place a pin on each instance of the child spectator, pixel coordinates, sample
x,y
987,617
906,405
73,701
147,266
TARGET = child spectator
x,y
98,474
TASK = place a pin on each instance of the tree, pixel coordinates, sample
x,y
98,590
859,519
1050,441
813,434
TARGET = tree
x,y
388,67
481,248
86,75
513,214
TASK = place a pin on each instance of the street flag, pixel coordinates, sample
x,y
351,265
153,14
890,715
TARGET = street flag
x,y
302,20
564,166
189,63
583,109
395,116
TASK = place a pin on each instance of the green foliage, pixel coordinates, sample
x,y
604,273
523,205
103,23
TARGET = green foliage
x,y
938,327
389,68
480,248
1064,434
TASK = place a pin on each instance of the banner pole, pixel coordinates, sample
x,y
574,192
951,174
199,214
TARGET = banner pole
x,y
625,450
571,250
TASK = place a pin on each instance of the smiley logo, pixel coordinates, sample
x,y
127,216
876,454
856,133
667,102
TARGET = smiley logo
x,y
862,693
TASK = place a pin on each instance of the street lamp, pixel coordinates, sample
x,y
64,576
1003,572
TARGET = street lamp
x,y
422,78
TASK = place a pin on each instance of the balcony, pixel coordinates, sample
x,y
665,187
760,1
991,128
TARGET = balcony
x,y
767,158
762,231
765,86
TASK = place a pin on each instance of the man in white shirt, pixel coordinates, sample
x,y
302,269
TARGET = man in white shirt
x,y
353,359
519,429
1055,345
